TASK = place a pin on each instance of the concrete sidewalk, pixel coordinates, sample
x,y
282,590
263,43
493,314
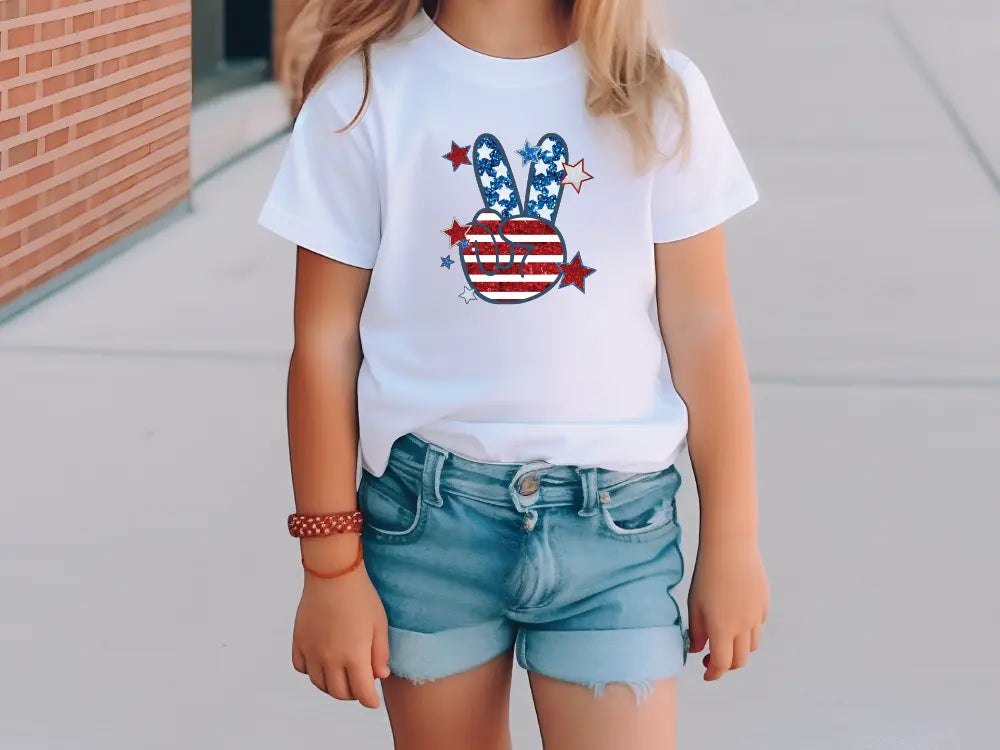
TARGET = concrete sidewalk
x,y
148,596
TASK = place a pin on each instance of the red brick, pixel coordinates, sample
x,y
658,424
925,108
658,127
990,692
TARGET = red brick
x,y
67,215
39,174
98,44
13,184
55,84
21,36
10,128
9,9
53,29
69,52
70,106
84,21
22,153
10,242
37,61
113,130
19,210
84,75
56,194
40,117
10,69
22,94
88,178
42,228
57,139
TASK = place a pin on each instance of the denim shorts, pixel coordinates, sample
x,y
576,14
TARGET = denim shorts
x,y
573,568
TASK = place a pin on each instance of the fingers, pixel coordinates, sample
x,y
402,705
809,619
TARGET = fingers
x,y
337,683
720,657
730,653
298,660
353,682
741,650
316,676
697,632
494,177
545,188
362,684
380,651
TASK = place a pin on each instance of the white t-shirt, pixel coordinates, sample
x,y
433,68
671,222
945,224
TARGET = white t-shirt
x,y
511,315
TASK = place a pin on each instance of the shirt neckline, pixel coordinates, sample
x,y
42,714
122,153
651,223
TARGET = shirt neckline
x,y
487,69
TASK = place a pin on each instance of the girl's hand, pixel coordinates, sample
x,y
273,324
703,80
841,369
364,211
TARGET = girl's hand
x,y
727,605
341,637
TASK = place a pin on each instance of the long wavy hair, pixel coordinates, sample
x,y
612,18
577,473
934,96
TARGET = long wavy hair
x,y
628,77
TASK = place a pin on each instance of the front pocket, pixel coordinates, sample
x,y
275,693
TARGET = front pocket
x,y
392,510
643,510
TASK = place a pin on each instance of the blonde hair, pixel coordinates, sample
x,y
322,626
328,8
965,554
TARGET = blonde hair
x,y
628,77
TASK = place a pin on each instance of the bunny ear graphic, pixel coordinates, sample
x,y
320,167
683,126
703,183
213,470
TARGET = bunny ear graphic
x,y
494,177
544,188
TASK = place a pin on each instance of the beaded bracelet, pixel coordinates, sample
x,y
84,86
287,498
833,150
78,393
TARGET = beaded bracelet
x,y
304,525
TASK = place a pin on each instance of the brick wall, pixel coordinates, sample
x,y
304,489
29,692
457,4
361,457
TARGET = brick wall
x,y
95,99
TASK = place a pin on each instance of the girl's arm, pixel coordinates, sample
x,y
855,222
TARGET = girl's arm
x,y
729,593
340,637
322,385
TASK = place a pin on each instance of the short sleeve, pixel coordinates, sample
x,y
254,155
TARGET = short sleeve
x,y
699,190
325,196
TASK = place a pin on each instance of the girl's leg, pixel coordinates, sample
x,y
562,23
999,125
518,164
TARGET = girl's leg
x,y
571,717
464,711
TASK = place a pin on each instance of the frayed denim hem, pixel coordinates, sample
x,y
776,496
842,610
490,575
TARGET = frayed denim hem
x,y
642,690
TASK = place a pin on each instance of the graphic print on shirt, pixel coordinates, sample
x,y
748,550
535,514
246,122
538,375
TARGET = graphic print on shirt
x,y
512,252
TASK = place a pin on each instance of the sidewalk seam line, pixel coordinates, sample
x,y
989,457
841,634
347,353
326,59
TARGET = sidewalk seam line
x,y
951,110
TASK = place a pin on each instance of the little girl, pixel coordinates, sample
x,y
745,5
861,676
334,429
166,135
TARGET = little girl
x,y
509,218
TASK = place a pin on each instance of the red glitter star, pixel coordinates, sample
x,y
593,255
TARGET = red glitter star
x,y
458,156
456,232
575,273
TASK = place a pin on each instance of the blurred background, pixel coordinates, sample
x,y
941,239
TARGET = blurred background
x,y
146,590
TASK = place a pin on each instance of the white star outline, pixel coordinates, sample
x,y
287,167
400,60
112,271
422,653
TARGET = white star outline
x,y
467,294
575,175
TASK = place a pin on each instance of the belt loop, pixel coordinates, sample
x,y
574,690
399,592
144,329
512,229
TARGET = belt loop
x,y
430,486
588,479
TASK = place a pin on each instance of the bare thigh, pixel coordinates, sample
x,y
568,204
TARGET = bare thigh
x,y
467,710
571,717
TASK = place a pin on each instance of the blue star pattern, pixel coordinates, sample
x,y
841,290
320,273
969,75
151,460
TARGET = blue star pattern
x,y
446,261
544,188
496,183
529,154
463,244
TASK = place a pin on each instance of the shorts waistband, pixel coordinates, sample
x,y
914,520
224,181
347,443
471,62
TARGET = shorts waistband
x,y
525,486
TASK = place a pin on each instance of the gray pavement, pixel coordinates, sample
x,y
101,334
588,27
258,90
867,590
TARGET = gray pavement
x,y
147,596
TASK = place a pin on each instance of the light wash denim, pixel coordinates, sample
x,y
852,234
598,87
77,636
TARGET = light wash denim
x,y
572,567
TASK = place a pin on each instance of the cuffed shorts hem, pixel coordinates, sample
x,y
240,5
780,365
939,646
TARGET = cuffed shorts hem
x,y
637,656
422,657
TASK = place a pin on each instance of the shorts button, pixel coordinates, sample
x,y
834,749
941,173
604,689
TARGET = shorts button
x,y
528,485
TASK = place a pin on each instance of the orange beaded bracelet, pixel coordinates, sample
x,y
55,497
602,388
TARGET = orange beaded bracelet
x,y
303,525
